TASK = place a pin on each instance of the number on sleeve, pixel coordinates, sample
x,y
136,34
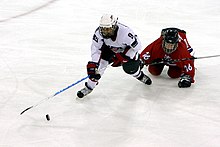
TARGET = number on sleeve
x,y
146,56
188,67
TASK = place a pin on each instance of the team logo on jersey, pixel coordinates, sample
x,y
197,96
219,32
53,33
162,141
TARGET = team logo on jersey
x,y
117,49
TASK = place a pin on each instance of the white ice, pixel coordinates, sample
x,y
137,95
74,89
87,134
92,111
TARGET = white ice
x,y
45,46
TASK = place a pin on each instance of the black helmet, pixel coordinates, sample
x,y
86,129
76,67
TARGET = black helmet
x,y
170,41
171,36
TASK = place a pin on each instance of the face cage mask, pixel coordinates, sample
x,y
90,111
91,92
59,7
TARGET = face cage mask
x,y
107,32
169,47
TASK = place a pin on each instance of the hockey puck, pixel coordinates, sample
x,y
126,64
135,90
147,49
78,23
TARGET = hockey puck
x,y
48,117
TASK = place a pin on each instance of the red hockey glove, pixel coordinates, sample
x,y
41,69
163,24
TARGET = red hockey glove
x,y
92,71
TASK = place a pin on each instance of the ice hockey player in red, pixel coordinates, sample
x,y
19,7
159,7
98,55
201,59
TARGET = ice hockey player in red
x,y
169,50
116,44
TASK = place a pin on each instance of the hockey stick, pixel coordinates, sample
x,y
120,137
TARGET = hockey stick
x,y
192,58
43,100
183,59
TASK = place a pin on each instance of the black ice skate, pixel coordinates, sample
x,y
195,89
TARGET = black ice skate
x,y
145,79
85,91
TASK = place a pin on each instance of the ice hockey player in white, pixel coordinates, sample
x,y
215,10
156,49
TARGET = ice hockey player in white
x,y
116,44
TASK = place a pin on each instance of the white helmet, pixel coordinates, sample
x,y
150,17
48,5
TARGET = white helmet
x,y
108,25
108,21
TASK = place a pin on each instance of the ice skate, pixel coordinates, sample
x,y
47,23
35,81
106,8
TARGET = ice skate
x,y
85,91
145,79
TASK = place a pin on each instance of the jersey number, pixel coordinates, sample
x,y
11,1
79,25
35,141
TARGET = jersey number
x,y
188,67
134,44
130,35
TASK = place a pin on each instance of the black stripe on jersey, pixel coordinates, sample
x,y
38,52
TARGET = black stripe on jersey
x,y
95,38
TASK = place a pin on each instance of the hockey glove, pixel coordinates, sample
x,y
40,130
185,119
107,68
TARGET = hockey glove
x,y
92,71
119,59
185,81
157,61
166,61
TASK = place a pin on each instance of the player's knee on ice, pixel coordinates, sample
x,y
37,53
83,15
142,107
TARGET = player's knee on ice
x,y
131,67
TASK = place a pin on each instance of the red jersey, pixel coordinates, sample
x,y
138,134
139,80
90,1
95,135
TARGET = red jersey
x,y
155,51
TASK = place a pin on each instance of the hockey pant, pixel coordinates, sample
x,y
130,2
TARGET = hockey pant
x,y
173,71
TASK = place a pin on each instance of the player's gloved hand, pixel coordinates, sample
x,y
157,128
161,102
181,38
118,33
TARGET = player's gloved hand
x,y
185,81
157,61
92,71
168,61
119,59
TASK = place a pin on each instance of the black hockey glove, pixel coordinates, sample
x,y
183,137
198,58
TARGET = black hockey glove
x,y
166,61
92,71
185,81
157,61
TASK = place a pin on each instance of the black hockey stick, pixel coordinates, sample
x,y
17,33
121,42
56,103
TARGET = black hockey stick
x,y
183,59
43,100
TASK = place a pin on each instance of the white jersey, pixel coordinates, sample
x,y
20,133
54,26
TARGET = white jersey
x,y
125,39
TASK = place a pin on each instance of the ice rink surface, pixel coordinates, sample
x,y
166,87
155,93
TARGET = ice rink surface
x,y
45,46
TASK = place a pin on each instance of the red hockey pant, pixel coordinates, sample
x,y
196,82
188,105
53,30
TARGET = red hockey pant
x,y
173,71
